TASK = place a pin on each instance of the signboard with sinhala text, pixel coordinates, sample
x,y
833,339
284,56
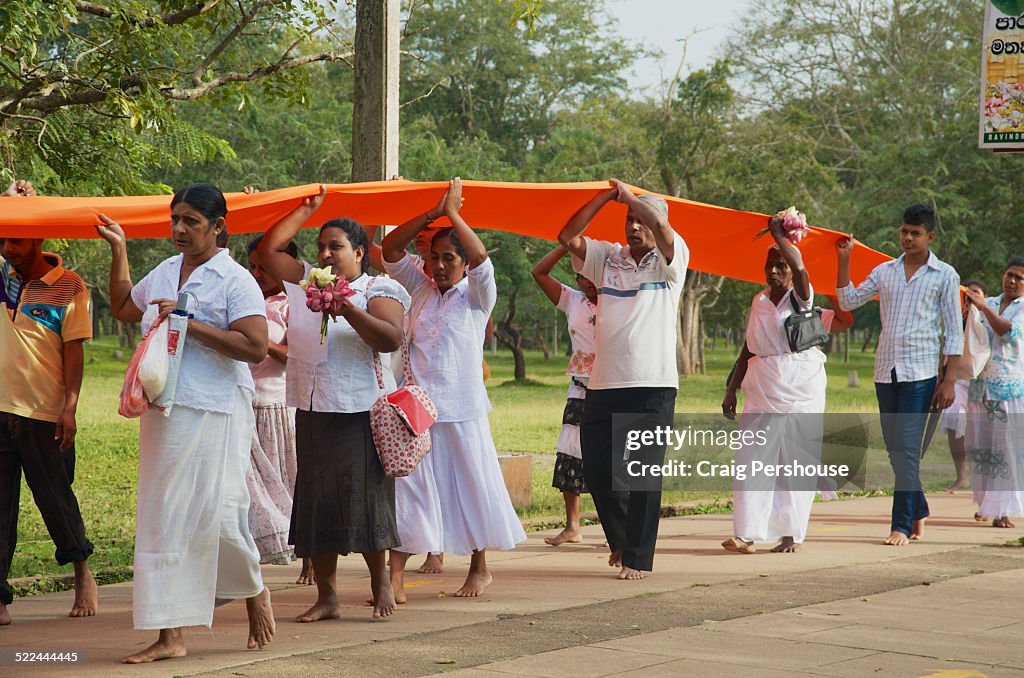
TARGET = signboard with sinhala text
x,y
1002,79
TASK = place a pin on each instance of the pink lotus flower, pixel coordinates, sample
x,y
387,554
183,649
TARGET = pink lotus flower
x,y
794,224
326,293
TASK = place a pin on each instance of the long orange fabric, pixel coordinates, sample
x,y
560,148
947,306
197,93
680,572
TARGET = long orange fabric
x,y
720,239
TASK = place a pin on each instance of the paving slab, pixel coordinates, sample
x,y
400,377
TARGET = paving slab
x,y
535,580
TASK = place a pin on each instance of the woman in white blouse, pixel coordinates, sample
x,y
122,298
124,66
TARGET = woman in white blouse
x,y
192,541
446,326
343,503
776,381
995,412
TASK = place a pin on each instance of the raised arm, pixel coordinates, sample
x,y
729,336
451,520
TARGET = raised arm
x,y
664,236
394,244
571,235
998,323
121,305
801,281
274,245
542,274
851,297
375,254
841,320
476,253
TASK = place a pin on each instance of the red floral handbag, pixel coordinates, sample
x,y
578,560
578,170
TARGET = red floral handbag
x,y
400,421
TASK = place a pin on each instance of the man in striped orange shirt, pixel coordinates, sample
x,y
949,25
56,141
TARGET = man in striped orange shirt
x,y
44,322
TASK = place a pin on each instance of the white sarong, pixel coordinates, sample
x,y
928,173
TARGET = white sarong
x,y
418,510
192,540
790,383
476,511
995,456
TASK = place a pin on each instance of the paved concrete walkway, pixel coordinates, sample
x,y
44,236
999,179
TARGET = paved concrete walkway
x,y
844,606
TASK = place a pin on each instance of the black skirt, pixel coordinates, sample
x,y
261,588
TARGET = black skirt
x,y
343,501
568,476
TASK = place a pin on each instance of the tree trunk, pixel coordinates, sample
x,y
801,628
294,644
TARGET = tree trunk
x,y
511,336
867,340
375,98
690,335
126,334
542,341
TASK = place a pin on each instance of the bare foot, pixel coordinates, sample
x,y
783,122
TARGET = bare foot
x,y
896,538
5,616
787,545
261,619
384,604
87,594
322,609
958,484
980,518
566,536
1003,522
306,577
917,530
629,574
169,646
398,586
615,559
474,585
432,565
737,545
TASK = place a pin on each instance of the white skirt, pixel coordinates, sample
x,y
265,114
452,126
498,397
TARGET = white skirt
x,y
418,510
476,511
192,540
995,456
779,385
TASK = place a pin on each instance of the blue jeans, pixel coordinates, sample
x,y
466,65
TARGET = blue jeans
x,y
903,436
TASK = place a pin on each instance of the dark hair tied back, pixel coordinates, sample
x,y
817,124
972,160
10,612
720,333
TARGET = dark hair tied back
x,y
208,201
454,238
356,235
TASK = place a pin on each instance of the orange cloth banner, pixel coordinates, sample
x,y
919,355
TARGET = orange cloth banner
x,y
720,239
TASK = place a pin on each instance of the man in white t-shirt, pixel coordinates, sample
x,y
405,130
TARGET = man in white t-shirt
x,y
634,370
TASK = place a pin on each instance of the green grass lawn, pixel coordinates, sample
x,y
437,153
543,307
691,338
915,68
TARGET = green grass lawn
x,y
526,418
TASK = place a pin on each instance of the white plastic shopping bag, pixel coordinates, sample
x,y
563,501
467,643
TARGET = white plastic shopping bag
x,y
153,366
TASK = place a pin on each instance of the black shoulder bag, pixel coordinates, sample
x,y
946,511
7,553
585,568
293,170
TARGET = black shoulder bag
x,y
804,329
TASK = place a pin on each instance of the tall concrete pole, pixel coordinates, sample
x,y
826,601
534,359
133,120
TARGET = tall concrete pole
x,y
375,113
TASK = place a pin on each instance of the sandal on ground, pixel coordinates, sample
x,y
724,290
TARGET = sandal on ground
x,y
737,545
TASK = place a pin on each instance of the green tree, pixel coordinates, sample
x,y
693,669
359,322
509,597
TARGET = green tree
x,y
88,89
889,93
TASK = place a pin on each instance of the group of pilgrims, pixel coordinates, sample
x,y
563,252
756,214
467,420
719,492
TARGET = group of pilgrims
x,y
268,456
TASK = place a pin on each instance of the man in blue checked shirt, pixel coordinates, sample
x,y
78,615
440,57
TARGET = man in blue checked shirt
x,y
920,296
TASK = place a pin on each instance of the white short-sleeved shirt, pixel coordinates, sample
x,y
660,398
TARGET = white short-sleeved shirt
x,y
446,336
581,315
337,376
269,375
225,292
636,314
766,327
